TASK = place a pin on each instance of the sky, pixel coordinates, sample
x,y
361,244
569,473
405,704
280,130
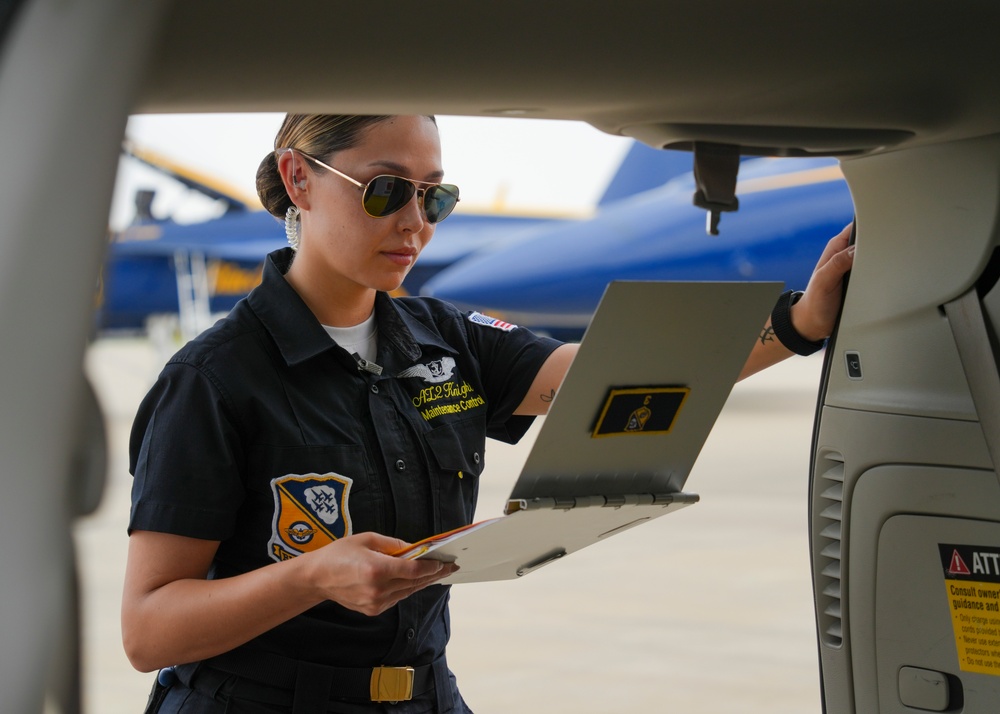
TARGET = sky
x,y
525,164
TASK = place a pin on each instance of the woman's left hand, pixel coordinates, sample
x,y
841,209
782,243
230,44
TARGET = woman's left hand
x,y
815,314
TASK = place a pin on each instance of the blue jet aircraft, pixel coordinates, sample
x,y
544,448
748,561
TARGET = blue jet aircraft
x,y
551,277
158,266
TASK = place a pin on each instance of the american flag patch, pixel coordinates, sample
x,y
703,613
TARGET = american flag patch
x,y
481,319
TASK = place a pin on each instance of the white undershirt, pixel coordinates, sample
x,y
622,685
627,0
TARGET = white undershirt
x,y
360,339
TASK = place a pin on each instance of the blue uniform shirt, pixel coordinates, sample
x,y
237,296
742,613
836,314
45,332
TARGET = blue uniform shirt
x,y
265,435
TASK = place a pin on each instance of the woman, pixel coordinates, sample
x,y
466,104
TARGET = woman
x,y
277,469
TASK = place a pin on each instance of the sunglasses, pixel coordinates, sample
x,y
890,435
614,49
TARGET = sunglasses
x,y
384,195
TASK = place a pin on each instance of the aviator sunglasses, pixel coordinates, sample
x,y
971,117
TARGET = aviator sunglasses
x,y
385,194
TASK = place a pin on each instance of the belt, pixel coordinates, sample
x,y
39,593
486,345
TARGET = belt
x,y
278,680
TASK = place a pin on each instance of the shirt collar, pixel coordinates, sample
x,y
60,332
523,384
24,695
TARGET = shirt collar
x,y
405,332
300,336
291,323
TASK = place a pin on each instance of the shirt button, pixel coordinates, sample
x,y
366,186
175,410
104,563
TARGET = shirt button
x,y
410,634
374,389
400,465
475,457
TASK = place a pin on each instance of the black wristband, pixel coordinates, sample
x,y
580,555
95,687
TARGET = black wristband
x,y
781,324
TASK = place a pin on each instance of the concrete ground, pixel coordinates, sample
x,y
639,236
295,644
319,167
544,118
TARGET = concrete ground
x,y
702,611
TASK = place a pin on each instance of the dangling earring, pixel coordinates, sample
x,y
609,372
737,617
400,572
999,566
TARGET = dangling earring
x,y
293,227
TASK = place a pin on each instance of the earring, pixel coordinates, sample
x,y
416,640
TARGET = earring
x,y
293,227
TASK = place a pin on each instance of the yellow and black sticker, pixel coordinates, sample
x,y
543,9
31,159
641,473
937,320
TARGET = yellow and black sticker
x,y
640,410
972,580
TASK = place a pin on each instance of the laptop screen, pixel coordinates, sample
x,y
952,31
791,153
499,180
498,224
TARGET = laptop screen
x,y
653,371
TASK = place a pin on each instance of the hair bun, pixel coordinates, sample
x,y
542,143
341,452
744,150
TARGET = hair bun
x,y
270,188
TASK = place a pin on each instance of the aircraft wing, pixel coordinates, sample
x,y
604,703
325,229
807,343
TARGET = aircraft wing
x,y
211,186
552,278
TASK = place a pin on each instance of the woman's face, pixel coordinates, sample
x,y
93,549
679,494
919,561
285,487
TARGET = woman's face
x,y
341,242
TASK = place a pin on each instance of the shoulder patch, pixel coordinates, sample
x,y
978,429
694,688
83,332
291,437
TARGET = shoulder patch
x,y
310,511
481,319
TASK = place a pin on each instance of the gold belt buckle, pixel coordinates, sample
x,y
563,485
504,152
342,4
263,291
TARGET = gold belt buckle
x,y
392,684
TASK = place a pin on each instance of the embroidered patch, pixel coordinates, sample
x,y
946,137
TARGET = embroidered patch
x,y
481,319
310,511
439,370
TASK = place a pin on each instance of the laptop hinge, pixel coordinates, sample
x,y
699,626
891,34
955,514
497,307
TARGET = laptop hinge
x,y
615,501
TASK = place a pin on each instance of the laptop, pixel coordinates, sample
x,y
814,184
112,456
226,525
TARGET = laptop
x,y
652,374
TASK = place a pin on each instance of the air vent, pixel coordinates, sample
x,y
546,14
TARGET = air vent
x,y
828,529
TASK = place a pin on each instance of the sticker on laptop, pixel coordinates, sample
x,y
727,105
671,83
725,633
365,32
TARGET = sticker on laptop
x,y
640,410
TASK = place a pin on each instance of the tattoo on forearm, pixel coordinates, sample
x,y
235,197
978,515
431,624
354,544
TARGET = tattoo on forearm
x,y
548,397
767,335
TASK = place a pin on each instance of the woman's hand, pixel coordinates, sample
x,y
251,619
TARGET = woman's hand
x,y
360,572
813,317
815,314
171,613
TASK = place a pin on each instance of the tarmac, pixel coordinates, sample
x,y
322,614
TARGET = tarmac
x,y
701,611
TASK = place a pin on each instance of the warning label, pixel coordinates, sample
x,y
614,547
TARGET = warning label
x,y
972,580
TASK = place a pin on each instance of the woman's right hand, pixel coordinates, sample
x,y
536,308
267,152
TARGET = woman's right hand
x,y
360,572
171,613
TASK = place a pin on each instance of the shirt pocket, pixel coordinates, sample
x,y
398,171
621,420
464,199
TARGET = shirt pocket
x,y
458,456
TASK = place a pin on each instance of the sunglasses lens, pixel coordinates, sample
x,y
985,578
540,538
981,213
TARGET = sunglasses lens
x,y
386,195
439,201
